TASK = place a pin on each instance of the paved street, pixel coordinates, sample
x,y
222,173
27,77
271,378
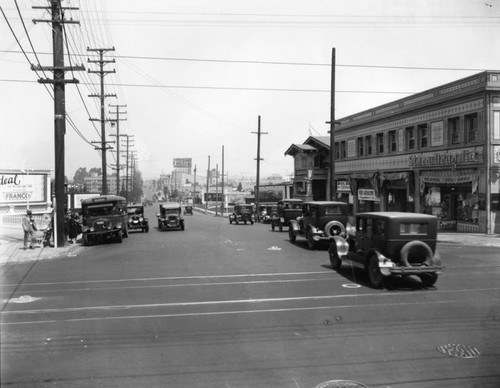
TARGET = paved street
x,y
241,306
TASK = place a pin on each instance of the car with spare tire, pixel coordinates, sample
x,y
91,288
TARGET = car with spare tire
x,y
388,245
319,222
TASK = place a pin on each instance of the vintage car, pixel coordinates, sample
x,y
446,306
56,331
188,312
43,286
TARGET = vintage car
x,y
286,210
242,213
136,218
170,216
188,210
104,218
390,244
268,213
319,222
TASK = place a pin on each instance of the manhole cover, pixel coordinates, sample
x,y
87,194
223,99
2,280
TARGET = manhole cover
x,y
458,350
341,384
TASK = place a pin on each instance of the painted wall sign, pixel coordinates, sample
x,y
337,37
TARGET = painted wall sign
x,y
367,195
463,156
343,186
437,138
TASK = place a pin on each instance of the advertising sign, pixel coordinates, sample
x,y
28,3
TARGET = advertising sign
x,y
367,195
21,188
182,162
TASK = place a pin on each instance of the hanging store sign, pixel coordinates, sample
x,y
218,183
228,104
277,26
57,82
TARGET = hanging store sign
x,y
20,188
462,156
367,195
343,186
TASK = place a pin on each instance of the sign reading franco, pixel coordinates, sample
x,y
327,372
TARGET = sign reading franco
x,y
182,162
21,188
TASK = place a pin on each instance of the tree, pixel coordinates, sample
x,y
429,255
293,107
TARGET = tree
x,y
80,175
240,187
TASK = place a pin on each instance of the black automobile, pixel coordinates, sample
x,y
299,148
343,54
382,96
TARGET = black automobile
x,y
286,210
136,218
170,216
319,222
390,244
188,210
242,213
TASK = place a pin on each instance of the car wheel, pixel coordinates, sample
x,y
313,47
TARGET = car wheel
x,y
182,227
252,222
85,240
119,238
428,279
272,227
334,257
334,228
281,227
310,241
291,235
146,229
374,274
230,222
125,233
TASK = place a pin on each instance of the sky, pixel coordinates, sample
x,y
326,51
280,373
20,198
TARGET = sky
x,y
195,75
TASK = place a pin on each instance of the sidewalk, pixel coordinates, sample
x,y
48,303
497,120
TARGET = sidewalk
x,y
472,239
12,244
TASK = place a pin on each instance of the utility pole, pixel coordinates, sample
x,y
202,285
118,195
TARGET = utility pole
x,y
216,189
102,97
208,185
194,188
333,188
223,199
129,143
58,69
258,168
117,120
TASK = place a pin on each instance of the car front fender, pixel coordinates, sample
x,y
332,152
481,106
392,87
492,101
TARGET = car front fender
x,y
341,245
294,226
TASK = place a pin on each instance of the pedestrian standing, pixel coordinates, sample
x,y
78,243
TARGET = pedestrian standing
x,y
29,228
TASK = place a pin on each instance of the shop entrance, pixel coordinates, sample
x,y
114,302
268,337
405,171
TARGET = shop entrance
x,y
397,200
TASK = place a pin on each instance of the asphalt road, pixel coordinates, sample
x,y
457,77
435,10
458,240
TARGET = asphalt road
x,y
222,305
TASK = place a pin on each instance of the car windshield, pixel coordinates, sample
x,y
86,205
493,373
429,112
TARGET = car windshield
x,y
412,228
102,209
135,210
170,211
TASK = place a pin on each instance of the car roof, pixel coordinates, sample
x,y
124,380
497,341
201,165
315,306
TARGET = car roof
x,y
103,198
395,215
170,205
325,203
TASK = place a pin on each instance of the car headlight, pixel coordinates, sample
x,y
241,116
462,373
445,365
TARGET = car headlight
x,y
130,220
92,229
118,225
141,219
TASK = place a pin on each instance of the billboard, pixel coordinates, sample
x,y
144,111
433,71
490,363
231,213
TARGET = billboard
x,y
23,188
182,163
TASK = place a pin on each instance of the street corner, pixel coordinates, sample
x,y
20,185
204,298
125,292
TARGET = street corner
x,y
16,253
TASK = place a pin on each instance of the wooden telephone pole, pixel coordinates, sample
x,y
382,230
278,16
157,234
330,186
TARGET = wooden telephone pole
x,y
58,69
257,189
103,148
117,120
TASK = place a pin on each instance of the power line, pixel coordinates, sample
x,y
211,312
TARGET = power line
x,y
251,62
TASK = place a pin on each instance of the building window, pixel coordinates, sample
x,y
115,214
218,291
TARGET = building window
x,y
368,145
380,143
423,135
360,146
454,130
393,145
471,128
337,151
343,150
410,138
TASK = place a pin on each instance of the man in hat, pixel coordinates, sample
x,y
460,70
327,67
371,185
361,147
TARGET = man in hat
x,y
29,228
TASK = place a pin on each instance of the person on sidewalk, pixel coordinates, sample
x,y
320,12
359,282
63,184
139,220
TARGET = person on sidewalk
x,y
29,228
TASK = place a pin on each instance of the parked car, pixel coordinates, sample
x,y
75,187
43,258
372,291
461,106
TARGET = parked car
x,y
136,218
188,210
242,213
319,222
104,218
170,216
286,209
391,244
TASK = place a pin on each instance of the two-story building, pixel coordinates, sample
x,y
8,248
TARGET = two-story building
x,y
436,152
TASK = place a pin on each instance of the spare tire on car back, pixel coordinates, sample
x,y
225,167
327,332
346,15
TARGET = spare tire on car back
x,y
416,253
334,228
